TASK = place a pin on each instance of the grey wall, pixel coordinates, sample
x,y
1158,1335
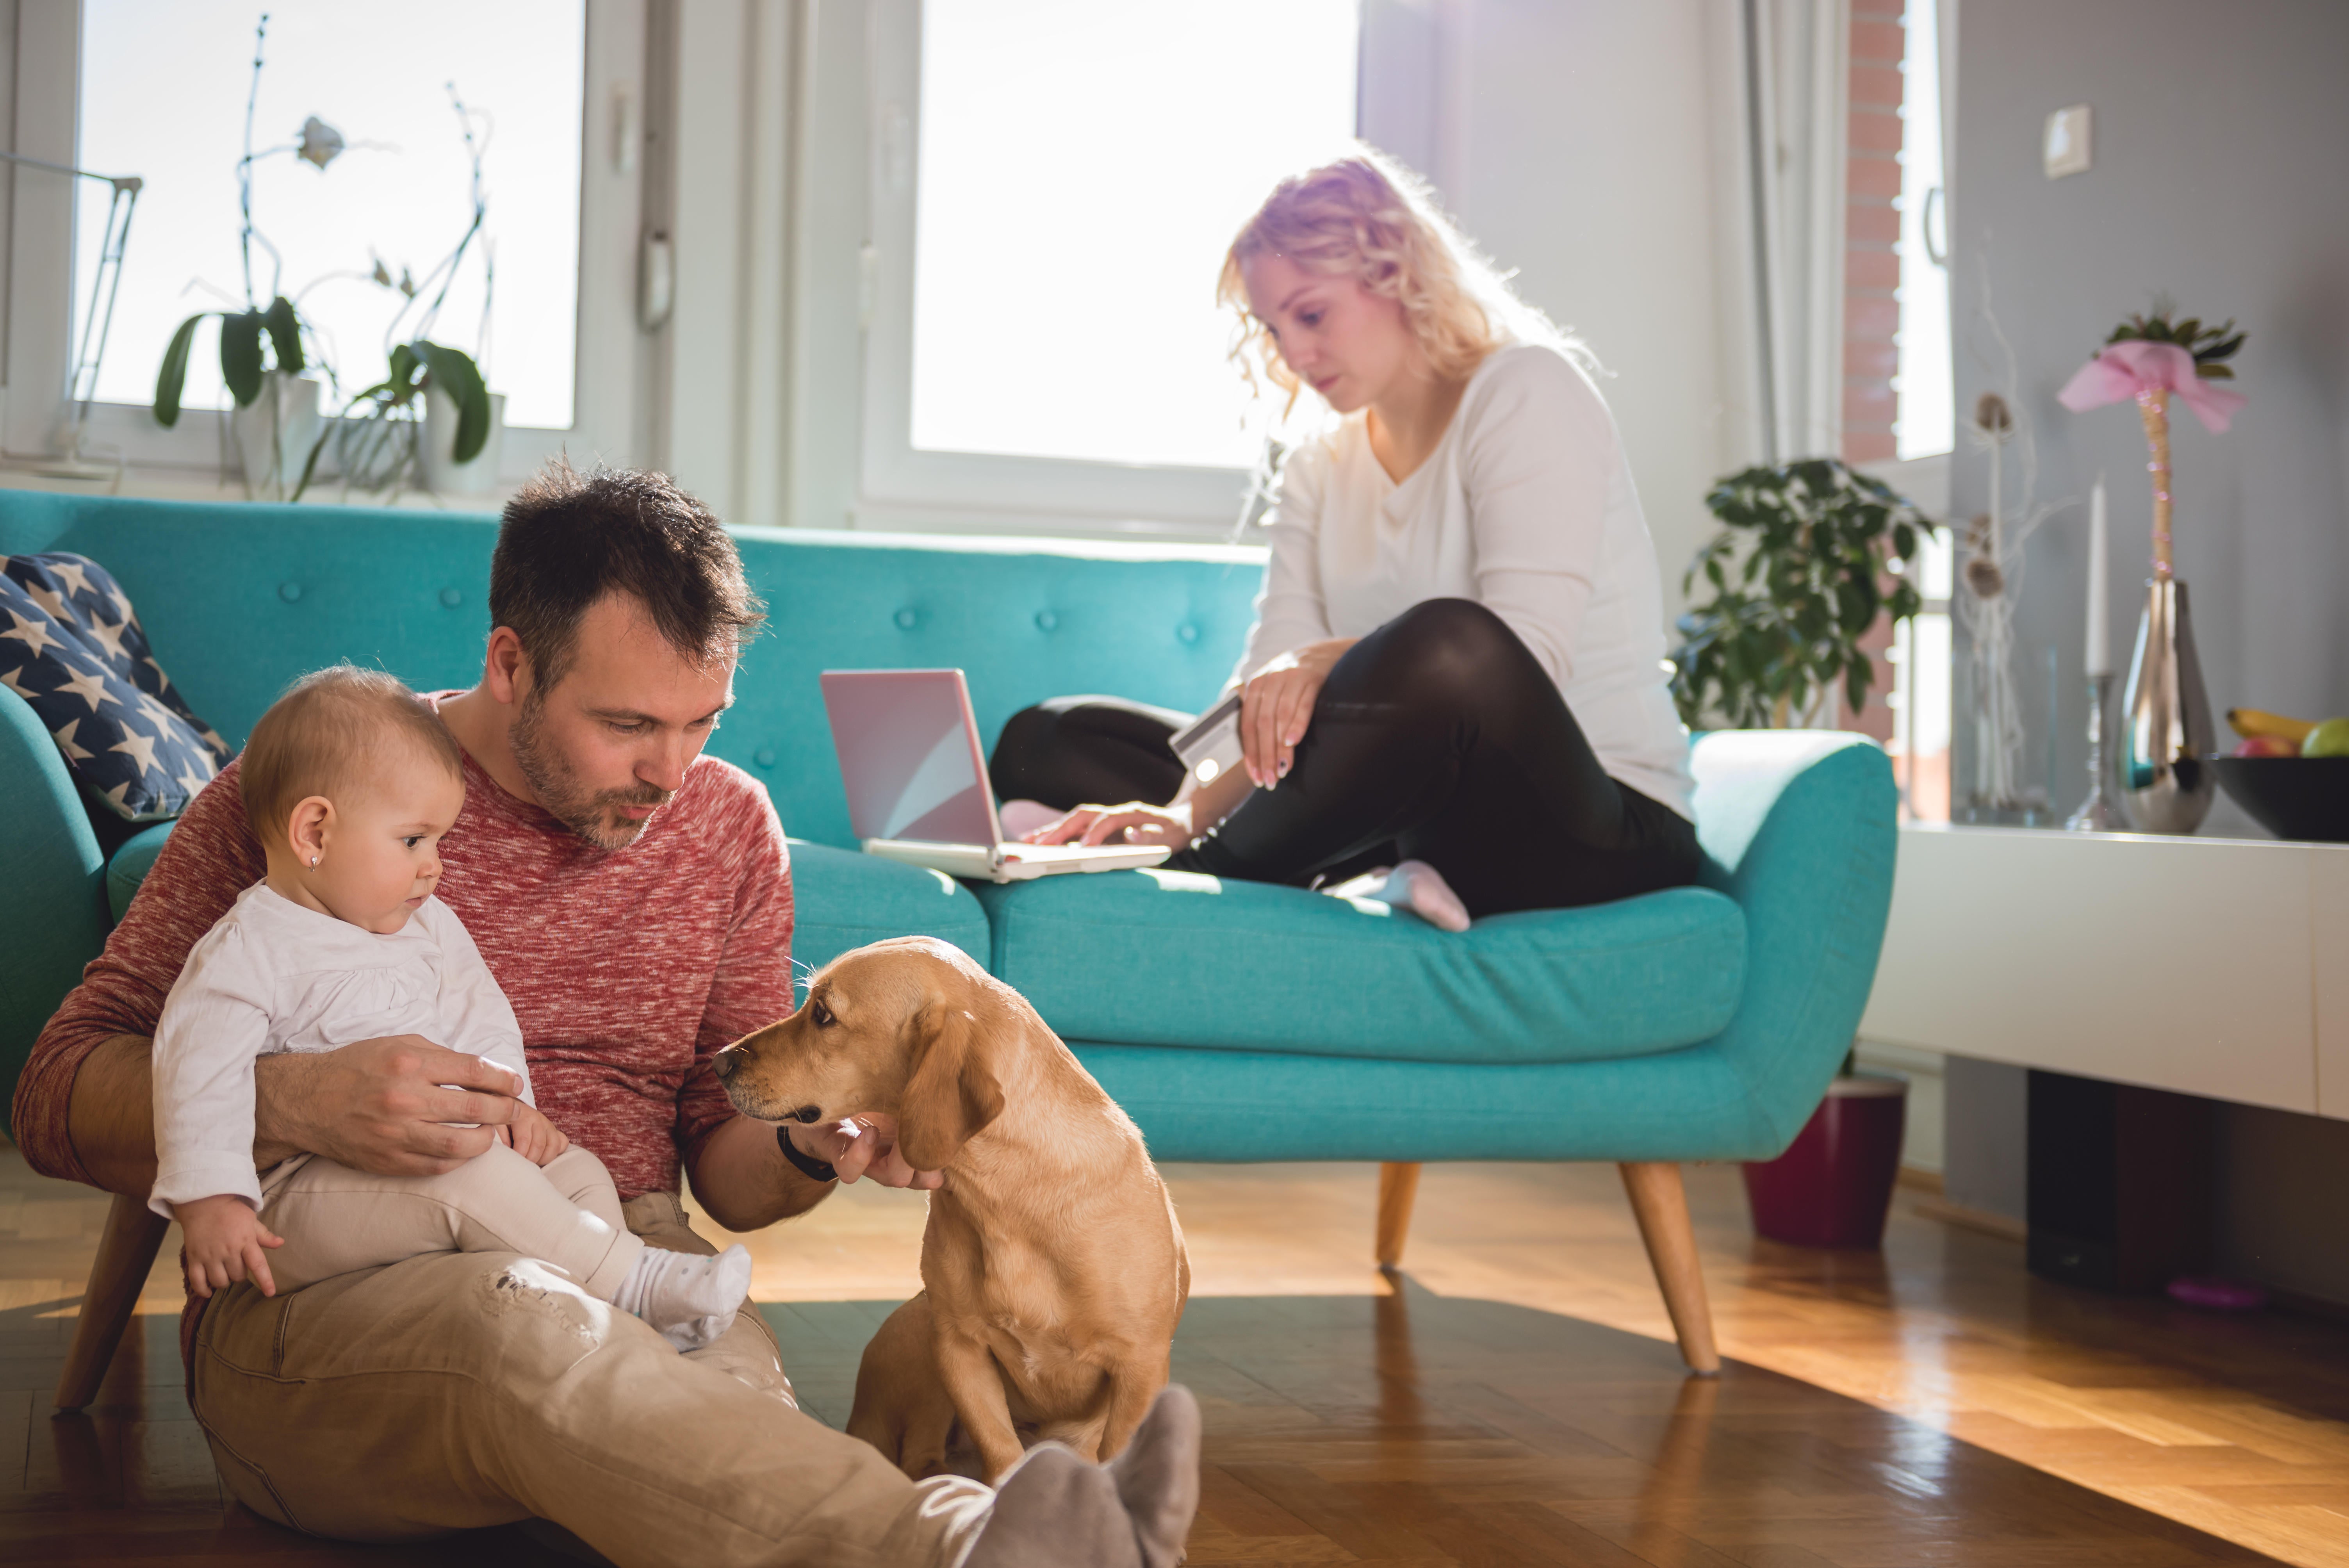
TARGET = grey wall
x,y
2222,178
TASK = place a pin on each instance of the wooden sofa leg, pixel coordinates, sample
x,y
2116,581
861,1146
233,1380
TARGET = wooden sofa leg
x,y
124,1253
1660,1203
1397,1185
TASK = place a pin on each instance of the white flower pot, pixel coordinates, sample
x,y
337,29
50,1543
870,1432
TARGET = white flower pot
x,y
446,477
274,434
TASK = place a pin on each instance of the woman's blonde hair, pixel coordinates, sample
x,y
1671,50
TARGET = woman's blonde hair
x,y
1368,217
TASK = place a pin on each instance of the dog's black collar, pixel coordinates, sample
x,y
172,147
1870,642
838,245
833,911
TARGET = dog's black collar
x,y
809,1166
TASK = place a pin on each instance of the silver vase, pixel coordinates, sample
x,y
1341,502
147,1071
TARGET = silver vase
x,y
2166,735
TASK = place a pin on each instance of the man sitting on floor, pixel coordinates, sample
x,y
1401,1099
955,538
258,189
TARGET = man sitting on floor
x,y
633,899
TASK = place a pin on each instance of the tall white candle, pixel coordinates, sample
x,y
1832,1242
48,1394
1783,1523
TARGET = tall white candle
x,y
2100,657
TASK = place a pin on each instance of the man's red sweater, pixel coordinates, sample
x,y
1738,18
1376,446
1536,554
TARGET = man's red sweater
x,y
628,968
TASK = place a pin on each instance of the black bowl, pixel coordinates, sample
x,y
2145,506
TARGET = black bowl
x,y
2291,797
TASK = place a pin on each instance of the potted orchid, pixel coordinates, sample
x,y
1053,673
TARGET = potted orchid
x,y
270,354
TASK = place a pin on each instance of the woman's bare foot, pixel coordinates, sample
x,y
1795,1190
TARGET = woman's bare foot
x,y
1413,885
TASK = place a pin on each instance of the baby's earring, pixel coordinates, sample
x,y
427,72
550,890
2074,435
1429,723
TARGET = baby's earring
x,y
313,862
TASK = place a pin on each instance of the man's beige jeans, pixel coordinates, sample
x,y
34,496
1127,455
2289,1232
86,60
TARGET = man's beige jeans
x,y
337,1221
460,1390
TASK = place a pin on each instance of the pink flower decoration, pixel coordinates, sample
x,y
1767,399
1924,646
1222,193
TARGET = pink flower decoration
x,y
2124,370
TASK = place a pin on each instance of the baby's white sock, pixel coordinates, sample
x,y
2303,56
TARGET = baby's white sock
x,y
690,1299
1413,885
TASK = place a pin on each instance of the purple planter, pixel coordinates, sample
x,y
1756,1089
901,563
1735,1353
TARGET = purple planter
x,y
1832,1186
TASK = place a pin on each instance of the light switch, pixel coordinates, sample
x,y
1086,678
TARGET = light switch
x,y
2066,151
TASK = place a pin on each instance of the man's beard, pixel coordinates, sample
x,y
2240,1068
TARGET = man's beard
x,y
590,813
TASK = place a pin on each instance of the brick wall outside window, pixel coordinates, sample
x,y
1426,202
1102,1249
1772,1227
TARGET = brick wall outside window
x,y
1872,312
1871,272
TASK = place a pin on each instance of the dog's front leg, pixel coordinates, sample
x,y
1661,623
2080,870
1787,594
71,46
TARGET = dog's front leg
x,y
1133,1385
976,1387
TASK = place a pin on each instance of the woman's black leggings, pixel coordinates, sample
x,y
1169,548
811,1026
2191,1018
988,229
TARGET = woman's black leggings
x,y
1437,737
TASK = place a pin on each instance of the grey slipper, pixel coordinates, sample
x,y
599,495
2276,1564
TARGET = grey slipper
x,y
1157,1476
1052,1510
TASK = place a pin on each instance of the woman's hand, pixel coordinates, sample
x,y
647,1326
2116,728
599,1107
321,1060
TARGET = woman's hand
x,y
1132,823
1277,706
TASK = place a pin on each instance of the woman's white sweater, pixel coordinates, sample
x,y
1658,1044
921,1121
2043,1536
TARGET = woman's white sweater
x,y
1526,507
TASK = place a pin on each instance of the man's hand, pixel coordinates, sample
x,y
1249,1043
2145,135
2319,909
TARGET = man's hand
x,y
863,1146
532,1136
380,1106
226,1241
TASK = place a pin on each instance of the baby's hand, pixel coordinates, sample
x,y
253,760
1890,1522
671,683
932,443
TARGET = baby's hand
x,y
533,1136
224,1244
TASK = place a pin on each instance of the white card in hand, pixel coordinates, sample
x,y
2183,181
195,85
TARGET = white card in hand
x,y
1211,746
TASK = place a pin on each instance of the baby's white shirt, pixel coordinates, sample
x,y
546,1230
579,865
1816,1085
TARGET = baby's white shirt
x,y
274,976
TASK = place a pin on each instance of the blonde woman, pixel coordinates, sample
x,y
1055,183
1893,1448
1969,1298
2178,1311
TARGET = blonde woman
x,y
1456,669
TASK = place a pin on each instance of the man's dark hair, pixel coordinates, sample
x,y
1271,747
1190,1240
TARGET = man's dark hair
x,y
568,539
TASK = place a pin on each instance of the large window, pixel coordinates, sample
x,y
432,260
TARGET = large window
x,y
164,91
553,94
164,87
1055,182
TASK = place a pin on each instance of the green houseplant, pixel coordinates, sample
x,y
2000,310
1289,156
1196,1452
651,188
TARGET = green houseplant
x,y
1810,555
266,350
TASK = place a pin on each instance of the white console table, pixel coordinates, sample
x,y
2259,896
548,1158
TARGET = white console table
x,y
2217,968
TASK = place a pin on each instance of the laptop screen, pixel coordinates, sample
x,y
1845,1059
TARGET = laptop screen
x,y
909,757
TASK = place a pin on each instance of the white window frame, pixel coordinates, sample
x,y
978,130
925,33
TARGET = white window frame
x,y
903,487
42,267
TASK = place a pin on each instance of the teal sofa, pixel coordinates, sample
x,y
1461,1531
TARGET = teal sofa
x,y
1234,1021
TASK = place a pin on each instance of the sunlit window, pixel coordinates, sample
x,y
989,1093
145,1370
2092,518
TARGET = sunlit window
x,y
164,84
1925,421
1082,168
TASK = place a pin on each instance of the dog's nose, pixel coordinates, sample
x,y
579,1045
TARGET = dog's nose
x,y
724,1063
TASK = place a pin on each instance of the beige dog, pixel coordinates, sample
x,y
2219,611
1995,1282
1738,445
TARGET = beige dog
x,y
1053,1268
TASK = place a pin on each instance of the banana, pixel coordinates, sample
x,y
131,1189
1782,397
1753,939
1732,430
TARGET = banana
x,y
2250,721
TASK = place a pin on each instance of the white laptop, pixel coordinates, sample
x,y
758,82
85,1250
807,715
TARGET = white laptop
x,y
916,782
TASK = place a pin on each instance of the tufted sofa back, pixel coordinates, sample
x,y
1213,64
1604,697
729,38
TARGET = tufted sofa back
x,y
239,598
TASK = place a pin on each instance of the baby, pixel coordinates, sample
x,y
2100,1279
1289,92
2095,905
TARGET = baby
x,y
350,782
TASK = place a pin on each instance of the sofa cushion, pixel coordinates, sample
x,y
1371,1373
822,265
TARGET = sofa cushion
x,y
131,865
841,899
74,649
1171,958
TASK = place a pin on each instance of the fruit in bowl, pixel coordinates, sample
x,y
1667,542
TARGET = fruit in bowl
x,y
2330,738
2291,775
2258,724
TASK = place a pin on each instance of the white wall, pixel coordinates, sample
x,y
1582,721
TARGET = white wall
x,y
1576,143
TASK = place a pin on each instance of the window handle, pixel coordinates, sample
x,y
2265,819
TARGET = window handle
x,y
655,280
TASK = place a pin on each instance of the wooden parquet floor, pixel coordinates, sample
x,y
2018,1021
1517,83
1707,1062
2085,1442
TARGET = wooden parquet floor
x,y
1512,1400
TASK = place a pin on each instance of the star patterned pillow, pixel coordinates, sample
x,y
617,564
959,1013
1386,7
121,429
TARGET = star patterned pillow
x,y
70,645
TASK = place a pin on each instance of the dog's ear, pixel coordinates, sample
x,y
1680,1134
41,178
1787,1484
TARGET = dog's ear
x,y
950,1095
